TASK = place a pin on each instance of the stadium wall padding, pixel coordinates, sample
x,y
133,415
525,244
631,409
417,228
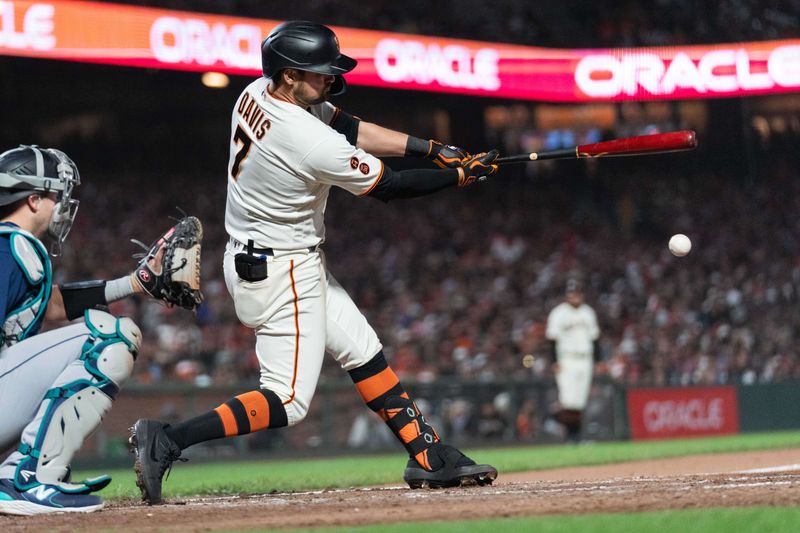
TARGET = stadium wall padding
x,y
767,407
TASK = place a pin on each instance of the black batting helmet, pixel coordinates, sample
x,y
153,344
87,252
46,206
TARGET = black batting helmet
x,y
307,46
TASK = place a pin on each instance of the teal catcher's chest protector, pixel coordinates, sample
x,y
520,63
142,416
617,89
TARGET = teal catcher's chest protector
x,y
32,258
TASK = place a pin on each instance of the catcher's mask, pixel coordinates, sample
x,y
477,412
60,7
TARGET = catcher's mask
x,y
306,46
29,170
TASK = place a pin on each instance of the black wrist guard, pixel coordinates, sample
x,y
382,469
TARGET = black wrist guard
x,y
81,295
418,147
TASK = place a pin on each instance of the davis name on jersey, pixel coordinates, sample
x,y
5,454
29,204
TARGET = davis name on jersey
x,y
283,161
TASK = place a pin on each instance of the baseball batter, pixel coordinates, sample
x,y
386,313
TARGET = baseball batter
x,y
56,386
572,326
288,147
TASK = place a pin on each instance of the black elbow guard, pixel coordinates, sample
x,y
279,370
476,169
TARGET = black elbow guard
x,y
81,295
347,125
386,188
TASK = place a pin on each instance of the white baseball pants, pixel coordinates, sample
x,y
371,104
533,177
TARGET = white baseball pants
x,y
298,313
574,380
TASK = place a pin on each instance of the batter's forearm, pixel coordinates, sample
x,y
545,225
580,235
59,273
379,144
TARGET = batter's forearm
x,y
413,183
380,141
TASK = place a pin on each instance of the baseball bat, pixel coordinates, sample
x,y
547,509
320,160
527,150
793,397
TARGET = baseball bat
x,y
659,143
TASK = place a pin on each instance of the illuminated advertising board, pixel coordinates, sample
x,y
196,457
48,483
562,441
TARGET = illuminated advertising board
x,y
159,38
661,413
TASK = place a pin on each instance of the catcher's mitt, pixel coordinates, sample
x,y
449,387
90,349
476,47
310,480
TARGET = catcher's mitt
x,y
173,275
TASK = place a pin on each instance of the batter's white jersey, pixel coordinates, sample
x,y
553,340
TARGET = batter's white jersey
x,y
573,329
283,161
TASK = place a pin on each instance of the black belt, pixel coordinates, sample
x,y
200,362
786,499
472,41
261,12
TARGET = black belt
x,y
252,250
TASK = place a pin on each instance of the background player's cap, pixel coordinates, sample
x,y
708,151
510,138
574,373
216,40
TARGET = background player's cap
x,y
307,46
574,287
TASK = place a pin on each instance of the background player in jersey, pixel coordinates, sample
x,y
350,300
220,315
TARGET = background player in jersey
x,y
289,146
572,326
56,386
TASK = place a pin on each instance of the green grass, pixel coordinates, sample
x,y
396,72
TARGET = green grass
x,y
258,477
751,519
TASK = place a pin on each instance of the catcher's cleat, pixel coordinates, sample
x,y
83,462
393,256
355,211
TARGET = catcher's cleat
x,y
43,499
456,470
155,453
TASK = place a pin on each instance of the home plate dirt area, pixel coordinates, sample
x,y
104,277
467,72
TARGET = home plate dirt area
x,y
721,480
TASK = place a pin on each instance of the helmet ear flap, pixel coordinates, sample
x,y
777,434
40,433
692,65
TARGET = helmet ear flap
x,y
339,85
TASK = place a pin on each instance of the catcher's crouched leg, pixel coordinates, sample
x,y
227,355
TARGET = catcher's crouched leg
x,y
72,409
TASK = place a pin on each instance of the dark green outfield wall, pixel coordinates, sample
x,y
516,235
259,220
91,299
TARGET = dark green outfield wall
x,y
768,407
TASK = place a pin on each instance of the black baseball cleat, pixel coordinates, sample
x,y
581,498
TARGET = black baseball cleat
x,y
455,470
155,453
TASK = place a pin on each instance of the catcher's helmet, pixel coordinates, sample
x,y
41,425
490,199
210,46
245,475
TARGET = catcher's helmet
x,y
307,46
29,170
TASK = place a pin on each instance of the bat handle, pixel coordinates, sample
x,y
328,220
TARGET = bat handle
x,y
562,153
522,158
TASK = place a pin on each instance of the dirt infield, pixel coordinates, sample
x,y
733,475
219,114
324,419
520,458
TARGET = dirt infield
x,y
680,483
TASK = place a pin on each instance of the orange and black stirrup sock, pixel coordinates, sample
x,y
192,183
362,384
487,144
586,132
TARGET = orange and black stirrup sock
x,y
246,413
383,393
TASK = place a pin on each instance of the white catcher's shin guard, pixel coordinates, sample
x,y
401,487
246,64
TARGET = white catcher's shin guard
x,y
74,407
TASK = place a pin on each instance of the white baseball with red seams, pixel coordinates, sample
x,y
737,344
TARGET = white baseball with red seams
x,y
680,245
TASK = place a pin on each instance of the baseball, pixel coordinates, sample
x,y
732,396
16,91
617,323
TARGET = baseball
x,y
680,245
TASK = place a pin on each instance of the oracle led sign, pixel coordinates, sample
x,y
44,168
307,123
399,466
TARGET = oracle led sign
x,y
450,65
713,72
158,38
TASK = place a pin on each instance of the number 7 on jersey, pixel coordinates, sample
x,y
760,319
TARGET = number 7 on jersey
x,y
240,137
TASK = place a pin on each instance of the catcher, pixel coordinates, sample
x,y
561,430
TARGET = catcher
x,y
56,386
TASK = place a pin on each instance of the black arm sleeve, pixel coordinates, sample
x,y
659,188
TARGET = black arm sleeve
x,y
81,295
412,183
347,125
553,352
596,351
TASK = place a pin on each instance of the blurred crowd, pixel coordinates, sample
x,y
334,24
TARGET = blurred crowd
x,y
459,284
566,23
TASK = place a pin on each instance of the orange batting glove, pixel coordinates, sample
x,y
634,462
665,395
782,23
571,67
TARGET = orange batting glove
x,y
446,155
477,168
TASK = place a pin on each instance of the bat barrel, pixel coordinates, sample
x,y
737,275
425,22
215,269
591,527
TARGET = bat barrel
x,y
645,144
659,143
